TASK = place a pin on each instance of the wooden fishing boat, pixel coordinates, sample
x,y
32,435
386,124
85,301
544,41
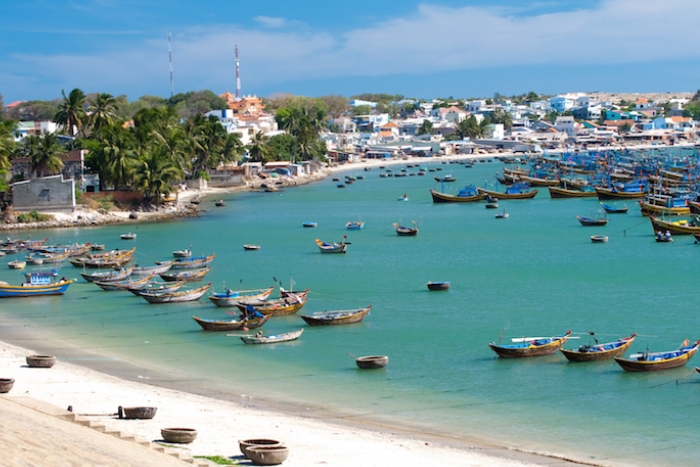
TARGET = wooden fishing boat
x,y
309,224
468,194
590,221
437,286
662,237
232,325
112,259
537,181
371,362
446,179
159,268
530,346
234,297
192,262
108,276
188,275
649,209
55,257
17,264
335,247
502,215
680,227
97,246
220,203
124,285
355,225
557,192
287,305
614,193
336,317
403,231
34,260
156,287
250,246
128,236
518,190
612,209
182,253
591,353
179,296
599,239
656,361
273,339
36,284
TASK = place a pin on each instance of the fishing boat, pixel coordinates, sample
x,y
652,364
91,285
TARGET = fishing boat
x,y
437,286
446,179
189,295
626,192
128,236
335,247
403,231
530,346
97,246
520,190
370,362
680,227
220,203
159,268
590,353
34,260
599,239
557,192
36,284
468,194
309,224
153,286
612,209
234,297
337,317
355,225
55,257
17,264
243,324
124,285
112,259
108,276
188,275
182,253
192,262
502,215
656,361
273,339
662,237
403,198
251,246
287,305
590,221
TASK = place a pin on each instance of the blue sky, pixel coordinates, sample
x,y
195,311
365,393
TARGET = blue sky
x,y
443,48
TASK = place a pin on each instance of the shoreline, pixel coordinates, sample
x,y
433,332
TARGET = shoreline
x,y
313,438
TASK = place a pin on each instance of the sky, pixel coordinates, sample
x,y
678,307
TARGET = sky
x,y
418,49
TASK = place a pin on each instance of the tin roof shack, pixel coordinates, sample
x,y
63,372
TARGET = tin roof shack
x,y
44,194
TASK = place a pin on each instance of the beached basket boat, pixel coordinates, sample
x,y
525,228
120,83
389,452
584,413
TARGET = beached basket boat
x,y
41,361
136,413
268,455
6,384
245,444
178,435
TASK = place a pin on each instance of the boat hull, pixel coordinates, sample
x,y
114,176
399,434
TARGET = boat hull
x,y
445,198
289,336
335,318
218,325
674,228
643,366
608,194
558,193
527,195
531,350
593,356
59,288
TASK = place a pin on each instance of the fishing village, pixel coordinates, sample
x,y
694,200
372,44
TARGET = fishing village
x,y
417,234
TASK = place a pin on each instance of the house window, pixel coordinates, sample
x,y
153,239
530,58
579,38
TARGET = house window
x,y
44,194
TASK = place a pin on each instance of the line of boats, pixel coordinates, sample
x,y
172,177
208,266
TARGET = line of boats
x,y
637,362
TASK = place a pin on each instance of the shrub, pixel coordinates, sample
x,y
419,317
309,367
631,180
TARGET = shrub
x,y
33,216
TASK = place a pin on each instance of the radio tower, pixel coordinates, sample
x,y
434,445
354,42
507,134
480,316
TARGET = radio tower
x,y
170,56
238,77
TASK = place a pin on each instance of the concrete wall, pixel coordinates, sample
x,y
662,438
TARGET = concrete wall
x,y
44,194
230,179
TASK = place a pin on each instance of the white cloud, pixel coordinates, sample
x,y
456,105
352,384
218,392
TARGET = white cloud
x,y
432,39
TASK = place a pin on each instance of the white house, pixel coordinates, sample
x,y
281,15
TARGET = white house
x,y
565,124
358,103
561,103
475,105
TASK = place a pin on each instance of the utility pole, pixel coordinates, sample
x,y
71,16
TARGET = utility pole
x,y
170,55
238,77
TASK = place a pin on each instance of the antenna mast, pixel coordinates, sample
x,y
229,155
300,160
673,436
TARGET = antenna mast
x,y
238,77
170,56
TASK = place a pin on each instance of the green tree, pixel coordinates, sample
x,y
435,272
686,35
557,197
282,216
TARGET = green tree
x,y
284,147
7,143
45,154
258,149
103,111
362,110
425,128
337,105
71,113
209,143
154,175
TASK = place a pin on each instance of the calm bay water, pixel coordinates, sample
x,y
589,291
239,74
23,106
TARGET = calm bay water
x,y
535,273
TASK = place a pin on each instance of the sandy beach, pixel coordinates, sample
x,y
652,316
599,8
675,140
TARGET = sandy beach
x,y
95,397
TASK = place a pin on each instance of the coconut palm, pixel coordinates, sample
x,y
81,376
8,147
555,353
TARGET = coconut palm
x,y
425,128
103,111
44,155
7,143
71,113
258,150
154,174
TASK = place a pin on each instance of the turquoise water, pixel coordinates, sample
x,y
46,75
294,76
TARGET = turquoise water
x,y
535,273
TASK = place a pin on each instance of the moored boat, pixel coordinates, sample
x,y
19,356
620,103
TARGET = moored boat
x,y
16,264
287,305
36,284
151,270
128,236
233,325
590,353
530,346
179,296
108,276
182,253
468,194
188,275
613,209
404,231
272,339
336,317
520,190
234,297
590,221
192,262
557,192
680,227
656,361
153,286
370,362
355,225
436,286
335,247
124,285
599,239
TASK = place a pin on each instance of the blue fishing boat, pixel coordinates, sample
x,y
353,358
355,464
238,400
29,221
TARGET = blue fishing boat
x,y
530,346
309,224
355,225
37,283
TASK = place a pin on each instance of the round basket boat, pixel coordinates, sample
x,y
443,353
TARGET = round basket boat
x,y
268,455
6,384
178,435
140,413
246,444
599,239
372,361
250,246
41,361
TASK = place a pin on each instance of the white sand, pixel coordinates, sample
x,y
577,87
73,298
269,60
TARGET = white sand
x,y
220,424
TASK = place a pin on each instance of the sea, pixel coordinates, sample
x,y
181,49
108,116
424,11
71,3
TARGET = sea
x,y
535,273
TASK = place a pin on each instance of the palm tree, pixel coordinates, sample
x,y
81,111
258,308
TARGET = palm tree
x,y
7,143
44,154
426,128
71,113
103,111
154,174
258,149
